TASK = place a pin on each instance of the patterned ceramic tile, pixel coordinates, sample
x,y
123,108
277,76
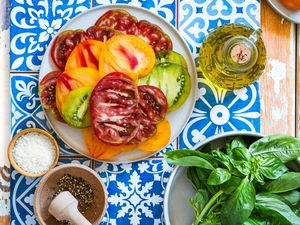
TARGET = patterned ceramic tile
x,y
198,17
164,8
22,195
135,191
218,110
26,109
33,24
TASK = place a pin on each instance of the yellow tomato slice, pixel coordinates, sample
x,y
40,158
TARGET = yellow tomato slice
x,y
85,54
160,139
74,78
127,54
100,150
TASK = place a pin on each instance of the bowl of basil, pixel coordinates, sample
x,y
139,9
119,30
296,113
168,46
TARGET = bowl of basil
x,y
235,178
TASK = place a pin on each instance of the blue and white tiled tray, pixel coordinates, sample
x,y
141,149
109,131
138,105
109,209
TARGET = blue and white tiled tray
x,y
135,190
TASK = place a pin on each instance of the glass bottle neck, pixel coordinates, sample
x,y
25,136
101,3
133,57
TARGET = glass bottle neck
x,y
239,54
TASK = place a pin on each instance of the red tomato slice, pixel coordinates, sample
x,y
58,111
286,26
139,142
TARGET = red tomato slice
x,y
154,36
153,103
127,54
118,19
114,109
85,54
64,44
101,33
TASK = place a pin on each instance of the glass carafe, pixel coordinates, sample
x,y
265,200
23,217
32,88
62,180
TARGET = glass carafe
x,y
232,56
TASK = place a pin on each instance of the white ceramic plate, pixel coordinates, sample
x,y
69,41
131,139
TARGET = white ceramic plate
x,y
292,15
72,136
179,190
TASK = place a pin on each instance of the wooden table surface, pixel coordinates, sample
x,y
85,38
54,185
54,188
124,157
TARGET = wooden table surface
x,y
280,106
279,84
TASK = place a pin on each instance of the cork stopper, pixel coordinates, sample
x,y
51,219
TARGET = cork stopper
x,y
240,53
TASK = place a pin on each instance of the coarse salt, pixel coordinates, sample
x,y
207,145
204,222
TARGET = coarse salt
x,y
34,152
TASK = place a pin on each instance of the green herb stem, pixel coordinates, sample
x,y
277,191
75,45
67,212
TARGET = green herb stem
x,y
210,204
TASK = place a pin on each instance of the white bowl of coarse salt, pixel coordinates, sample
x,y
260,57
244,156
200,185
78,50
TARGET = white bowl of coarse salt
x,y
33,152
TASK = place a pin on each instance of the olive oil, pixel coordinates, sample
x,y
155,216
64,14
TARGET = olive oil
x,y
232,56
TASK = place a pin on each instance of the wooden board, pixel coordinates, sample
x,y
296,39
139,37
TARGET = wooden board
x,y
277,84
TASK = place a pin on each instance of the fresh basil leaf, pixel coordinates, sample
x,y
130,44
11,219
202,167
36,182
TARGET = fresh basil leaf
x,y
229,186
276,196
238,142
239,205
191,161
218,176
293,197
199,201
177,154
189,158
244,167
252,221
287,182
273,207
272,167
285,147
222,158
192,176
240,153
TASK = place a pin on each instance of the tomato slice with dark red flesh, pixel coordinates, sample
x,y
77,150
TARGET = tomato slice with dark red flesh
x,y
153,103
114,109
154,36
47,89
64,44
101,33
119,20
47,92
147,129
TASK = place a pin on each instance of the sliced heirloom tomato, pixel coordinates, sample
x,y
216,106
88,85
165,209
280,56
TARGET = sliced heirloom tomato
x,y
101,33
101,150
154,36
120,20
72,79
146,130
47,92
128,54
114,109
159,140
85,54
64,44
153,103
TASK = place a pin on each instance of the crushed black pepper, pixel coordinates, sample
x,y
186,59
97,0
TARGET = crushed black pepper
x,y
79,188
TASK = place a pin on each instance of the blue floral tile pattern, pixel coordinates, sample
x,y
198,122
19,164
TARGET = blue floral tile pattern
x,y
135,191
22,195
218,110
198,17
33,24
26,109
164,8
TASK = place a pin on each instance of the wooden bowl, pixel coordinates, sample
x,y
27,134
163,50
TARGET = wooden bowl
x,y
46,189
13,142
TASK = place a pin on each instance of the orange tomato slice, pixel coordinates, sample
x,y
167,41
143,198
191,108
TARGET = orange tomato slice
x,y
85,54
127,54
74,78
100,150
159,140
